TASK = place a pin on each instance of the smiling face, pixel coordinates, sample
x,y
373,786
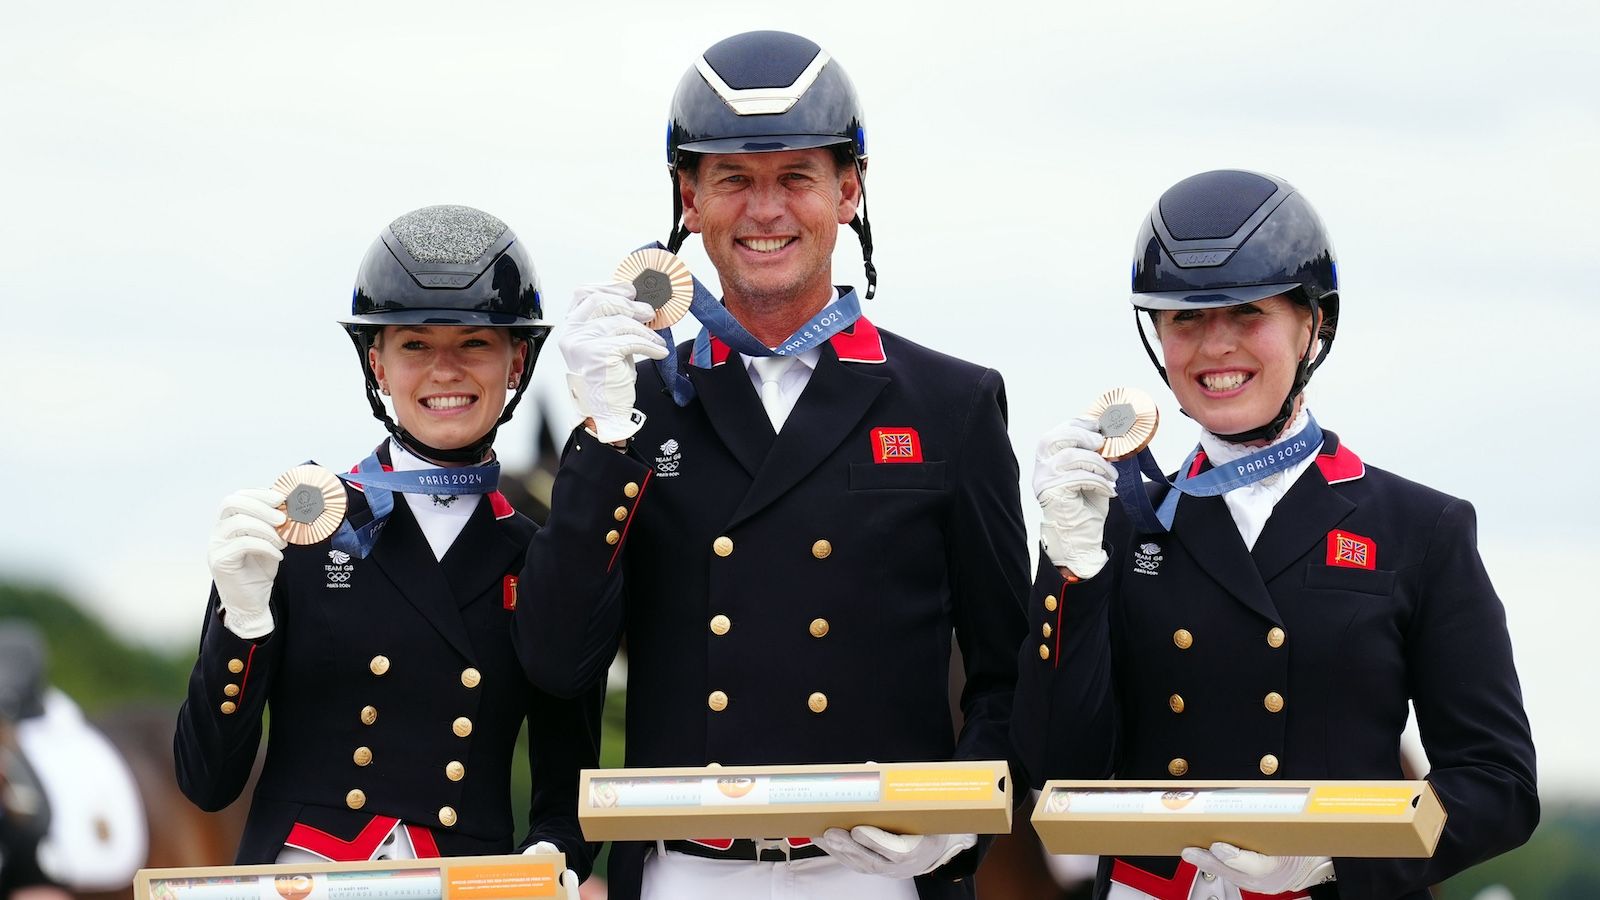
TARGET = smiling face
x,y
770,220
448,383
1231,366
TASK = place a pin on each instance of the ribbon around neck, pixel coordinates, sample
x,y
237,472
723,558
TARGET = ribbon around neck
x,y
1213,482
716,321
380,487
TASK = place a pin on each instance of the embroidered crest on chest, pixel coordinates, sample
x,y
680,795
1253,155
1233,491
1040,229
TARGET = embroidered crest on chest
x,y
669,459
338,569
1147,559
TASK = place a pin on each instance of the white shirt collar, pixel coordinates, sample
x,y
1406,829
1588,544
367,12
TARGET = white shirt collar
x,y
441,525
1220,451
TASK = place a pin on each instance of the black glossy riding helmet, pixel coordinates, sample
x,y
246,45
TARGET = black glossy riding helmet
x,y
446,265
760,92
1231,237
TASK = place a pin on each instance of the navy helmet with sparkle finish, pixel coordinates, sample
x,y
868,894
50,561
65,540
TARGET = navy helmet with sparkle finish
x,y
446,265
1231,237
766,91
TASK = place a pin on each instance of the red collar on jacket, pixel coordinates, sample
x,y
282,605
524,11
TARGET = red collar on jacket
x,y
860,343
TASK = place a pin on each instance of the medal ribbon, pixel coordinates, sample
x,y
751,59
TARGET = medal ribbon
x,y
716,321
380,487
1213,482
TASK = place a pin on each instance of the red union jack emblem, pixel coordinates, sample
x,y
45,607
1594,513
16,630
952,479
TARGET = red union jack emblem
x,y
896,445
1351,551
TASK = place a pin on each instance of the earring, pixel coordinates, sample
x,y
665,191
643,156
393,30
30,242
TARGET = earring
x,y
384,389
511,385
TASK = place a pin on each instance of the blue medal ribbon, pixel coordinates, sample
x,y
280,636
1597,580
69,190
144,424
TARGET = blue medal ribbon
x,y
715,320
1213,482
381,486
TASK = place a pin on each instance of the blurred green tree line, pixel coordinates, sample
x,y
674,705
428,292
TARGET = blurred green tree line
x,y
103,672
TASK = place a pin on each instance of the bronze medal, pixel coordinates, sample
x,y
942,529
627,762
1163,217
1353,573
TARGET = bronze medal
x,y
1127,418
314,504
661,280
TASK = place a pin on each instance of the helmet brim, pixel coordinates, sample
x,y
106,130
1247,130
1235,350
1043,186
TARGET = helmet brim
x,y
441,317
763,143
1210,299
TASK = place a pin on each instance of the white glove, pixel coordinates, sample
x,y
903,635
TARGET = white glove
x,y
569,878
1074,484
605,330
1256,872
873,851
244,556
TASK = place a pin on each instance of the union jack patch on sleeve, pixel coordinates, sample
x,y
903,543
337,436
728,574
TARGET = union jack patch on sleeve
x,y
1351,551
896,445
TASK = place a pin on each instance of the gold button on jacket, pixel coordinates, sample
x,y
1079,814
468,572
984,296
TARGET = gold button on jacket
x,y
235,666
1269,764
819,628
1044,651
369,715
1183,639
471,677
454,770
362,756
720,624
379,665
229,707
447,816
230,690
619,513
1175,703
1050,603
613,536
718,701
1275,637
462,726
1047,629
817,701
356,799
722,546
821,549
630,490
1273,702
1178,767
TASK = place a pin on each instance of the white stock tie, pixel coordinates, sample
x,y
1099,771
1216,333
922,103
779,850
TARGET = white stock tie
x,y
771,369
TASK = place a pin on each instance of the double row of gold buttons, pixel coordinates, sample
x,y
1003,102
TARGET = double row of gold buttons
x,y
721,625
1273,702
454,770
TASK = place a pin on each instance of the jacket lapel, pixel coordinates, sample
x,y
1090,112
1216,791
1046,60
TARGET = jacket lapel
x,y
1300,521
735,411
1206,528
830,407
480,557
402,552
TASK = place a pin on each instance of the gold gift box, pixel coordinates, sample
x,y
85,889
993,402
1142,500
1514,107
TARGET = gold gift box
x,y
509,877
794,801
1378,819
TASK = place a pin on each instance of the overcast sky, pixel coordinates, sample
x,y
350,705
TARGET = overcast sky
x,y
186,189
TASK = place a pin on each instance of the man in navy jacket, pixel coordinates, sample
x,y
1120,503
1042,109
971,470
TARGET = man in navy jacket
x,y
790,519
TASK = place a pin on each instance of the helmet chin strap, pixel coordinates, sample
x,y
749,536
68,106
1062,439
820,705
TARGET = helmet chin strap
x,y
1302,376
863,230
476,452
679,231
